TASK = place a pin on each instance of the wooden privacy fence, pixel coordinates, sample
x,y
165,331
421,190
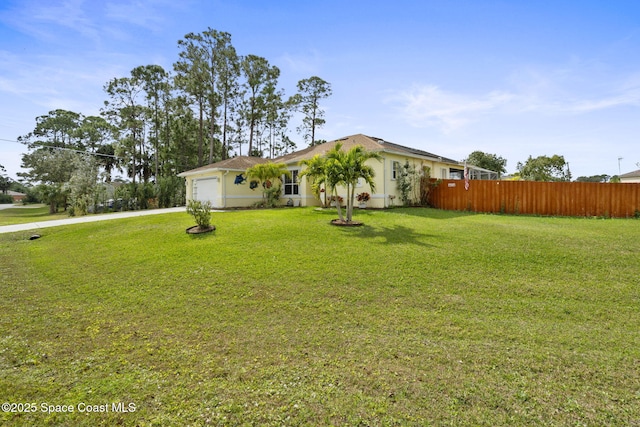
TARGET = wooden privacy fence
x,y
538,198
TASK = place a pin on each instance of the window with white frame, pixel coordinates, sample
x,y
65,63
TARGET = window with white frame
x,y
291,184
395,170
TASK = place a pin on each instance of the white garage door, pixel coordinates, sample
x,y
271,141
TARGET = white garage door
x,y
205,190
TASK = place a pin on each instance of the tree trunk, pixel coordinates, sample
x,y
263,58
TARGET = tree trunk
x,y
156,142
212,127
223,155
250,152
313,134
134,168
352,198
325,195
200,136
338,206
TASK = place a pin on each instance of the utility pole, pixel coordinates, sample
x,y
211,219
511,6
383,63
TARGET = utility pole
x,y
619,171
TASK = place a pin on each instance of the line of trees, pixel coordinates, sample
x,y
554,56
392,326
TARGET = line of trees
x,y
541,168
155,123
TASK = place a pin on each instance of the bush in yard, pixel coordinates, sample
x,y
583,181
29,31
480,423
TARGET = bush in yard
x,y
170,191
201,213
408,184
33,196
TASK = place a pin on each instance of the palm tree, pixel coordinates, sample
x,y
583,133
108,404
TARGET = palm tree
x,y
316,174
266,173
345,168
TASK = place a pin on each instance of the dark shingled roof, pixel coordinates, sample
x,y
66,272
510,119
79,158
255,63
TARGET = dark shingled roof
x,y
239,163
369,143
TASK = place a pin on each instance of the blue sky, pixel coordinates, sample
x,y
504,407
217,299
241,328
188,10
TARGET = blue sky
x,y
512,78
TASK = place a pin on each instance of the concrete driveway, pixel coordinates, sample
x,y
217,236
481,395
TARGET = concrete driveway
x,y
82,219
10,205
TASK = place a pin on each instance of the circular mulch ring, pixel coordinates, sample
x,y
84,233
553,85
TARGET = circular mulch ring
x,y
197,230
343,223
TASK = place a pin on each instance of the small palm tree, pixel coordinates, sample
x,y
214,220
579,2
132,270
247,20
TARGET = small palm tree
x,y
345,168
266,174
316,174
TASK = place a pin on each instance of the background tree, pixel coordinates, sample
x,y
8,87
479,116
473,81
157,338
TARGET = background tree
x,y
237,129
82,185
52,168
50,160
310,92
544,168
5,181
228,86
492,162
107,160
594,178
155,82
93,132
96,135
58,128
154,124
207,71
276,117
127,114
259,76
191,77
184,150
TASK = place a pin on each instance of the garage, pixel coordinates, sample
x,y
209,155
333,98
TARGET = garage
x,y
206,190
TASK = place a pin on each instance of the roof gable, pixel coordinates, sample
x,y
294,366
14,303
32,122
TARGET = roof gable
x,y
634,174
238,163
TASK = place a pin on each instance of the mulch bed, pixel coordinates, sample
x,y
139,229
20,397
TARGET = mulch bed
x,y
197,230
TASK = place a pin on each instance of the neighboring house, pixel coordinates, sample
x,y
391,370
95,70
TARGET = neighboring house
x,y
631,176
17,197
225,186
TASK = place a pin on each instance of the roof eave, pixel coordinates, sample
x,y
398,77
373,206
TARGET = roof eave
x,y
422,156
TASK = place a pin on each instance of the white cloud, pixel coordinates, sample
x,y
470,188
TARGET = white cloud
x,y
535,92
142,13
53,81
624,99
424,106
623,94
42,20
308,64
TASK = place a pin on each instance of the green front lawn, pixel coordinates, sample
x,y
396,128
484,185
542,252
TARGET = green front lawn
x,y
29,213
420,317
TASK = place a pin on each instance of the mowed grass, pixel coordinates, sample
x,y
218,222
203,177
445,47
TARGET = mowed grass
x,y
420,317
29,213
